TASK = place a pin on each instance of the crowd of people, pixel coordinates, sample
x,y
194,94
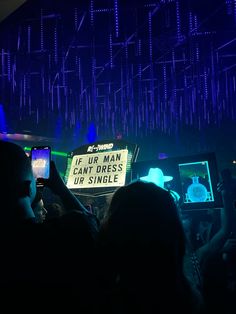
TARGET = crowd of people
x,y
142,257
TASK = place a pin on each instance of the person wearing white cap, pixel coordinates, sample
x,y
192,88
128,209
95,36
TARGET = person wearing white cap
x,y
156,176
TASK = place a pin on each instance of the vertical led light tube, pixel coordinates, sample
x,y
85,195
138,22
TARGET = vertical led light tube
x,y
76,18
91,12
235,10
178,22
116,18
55,45
110,51
150,33
9,66
29,38
41,31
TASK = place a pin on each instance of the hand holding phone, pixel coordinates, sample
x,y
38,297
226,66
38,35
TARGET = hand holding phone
x,y
40,160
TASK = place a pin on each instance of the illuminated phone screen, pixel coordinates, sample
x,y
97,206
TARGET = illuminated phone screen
x,y
40,159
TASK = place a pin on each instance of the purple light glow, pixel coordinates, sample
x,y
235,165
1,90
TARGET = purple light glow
x,y
190,22
229,6
29,39
178,23
41,31
135,68
150,34
110,50
116,17
9,66
76,17
91,12
235,10
55,45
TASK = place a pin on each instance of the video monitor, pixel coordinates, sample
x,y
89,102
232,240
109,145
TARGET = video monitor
x,y
196,182
192,180
199,176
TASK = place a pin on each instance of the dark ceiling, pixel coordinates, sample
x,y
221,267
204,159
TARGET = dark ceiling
x,y
86,70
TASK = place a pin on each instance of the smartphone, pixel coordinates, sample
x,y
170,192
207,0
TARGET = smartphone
x,y
40,161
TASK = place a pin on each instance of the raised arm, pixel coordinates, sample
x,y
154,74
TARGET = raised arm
x,y
58,187
56,184
228,218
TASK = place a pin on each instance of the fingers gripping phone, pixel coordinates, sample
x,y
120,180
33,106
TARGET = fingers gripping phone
x,y
40,161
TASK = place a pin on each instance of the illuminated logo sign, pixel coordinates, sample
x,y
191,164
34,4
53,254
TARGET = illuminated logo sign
x,y
100,147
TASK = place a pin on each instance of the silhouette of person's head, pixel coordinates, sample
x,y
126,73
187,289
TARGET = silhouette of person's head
x,y
17,183
143,220
144,244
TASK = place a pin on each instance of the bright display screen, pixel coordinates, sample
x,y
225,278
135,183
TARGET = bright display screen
x,y
196,182
40,159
